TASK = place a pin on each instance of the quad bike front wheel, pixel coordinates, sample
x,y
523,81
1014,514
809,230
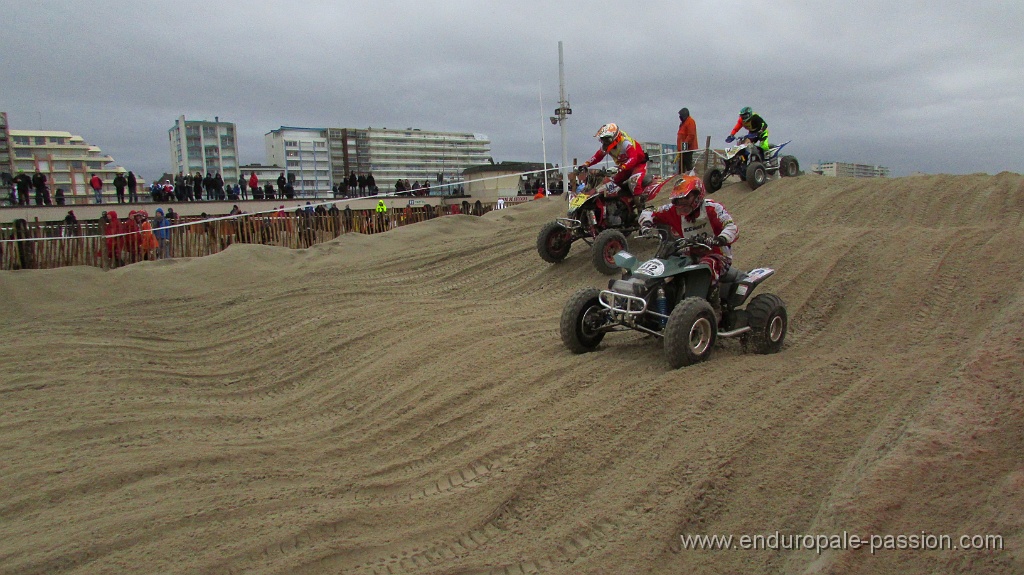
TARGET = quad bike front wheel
x,y
606,245
768,321
789,167
690,333
756,175
582,318
713,180
553,242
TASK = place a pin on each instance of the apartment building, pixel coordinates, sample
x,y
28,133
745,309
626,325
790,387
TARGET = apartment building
x,y
203,146
6,156
67,161
412,154
304,154
846,170
662,162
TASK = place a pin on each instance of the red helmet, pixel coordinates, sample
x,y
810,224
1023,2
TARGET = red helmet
x,y
688,193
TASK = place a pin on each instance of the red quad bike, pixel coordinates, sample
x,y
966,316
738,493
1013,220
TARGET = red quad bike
x,y
602,220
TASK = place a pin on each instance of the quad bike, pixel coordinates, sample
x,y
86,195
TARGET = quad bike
x,y
599,217
736,161
670,297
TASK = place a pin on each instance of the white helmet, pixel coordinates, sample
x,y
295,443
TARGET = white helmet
x,y
607,131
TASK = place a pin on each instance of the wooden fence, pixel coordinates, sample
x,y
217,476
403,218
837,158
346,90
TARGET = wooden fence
x,y
45,245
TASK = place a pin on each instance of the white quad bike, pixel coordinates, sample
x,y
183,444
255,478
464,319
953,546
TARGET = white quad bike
x,y
736,161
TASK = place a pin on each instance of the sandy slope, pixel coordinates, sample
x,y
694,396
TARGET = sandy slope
x,y
402,403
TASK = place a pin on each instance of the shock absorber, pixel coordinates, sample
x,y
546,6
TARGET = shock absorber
x,y
661,303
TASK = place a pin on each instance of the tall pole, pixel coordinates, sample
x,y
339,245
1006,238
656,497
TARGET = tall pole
x,y
561,113
543,145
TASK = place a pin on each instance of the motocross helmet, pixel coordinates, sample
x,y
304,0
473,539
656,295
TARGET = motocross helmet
x,y
607,134
746,113
688,193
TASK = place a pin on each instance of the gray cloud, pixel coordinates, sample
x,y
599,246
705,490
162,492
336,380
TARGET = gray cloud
x,y
913,86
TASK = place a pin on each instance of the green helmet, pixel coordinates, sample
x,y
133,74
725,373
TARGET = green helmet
x,y
746,113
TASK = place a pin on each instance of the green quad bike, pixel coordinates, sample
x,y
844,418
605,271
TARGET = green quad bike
x,y
670,297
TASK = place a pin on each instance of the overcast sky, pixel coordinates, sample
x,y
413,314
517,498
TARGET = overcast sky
x,y
916,86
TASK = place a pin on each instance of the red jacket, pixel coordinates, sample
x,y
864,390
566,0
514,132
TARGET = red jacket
x,y
711,219
626,152
253,180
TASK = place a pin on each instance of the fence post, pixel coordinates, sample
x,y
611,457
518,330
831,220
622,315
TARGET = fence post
x,y
707,154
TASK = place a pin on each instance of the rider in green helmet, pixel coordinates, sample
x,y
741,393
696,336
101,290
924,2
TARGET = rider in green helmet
x,y
754,124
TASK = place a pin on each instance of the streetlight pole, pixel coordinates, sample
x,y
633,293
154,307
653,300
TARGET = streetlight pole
x,y
561,113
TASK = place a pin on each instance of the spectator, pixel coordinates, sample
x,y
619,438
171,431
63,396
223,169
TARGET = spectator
x,y
362,185
133,188
133,239
22,183
197,186
97,188
686,139
254,183
500,204
371,184
39,183
242,184
59,196
209,187
148,242
162,232
218,186
236,193
281,182
353,183
120,182
71,226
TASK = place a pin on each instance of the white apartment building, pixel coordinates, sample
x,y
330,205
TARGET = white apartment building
x,y
845,170
410,154
304,154
203,146
662,161
67,161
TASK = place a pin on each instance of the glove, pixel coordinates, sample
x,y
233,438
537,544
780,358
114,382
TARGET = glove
x,y
719,241
582,168
730,139
645,228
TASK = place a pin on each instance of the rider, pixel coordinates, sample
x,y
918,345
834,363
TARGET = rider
x,y
754,124
690,214
629,156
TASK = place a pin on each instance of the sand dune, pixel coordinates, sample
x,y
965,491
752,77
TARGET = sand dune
x,y
402,403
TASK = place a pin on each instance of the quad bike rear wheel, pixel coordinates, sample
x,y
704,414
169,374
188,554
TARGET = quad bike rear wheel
x,y
789,167
756,175
553,242
690,333
581,318
606,245
713,180
766,315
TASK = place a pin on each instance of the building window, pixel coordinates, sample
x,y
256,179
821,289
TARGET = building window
x,y
22,140
40,140
22,153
